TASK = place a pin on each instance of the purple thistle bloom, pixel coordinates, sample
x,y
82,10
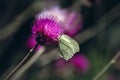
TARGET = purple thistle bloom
x,y
50,24
31,42
60,63
47,27
73,23
71,20
80,63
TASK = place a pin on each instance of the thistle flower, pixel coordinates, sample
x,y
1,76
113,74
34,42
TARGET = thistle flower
x,y
71,20
31,42
60,63
48,28
80,63
73,23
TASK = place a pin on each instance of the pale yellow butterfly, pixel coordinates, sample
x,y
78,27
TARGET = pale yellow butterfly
x,y
67,46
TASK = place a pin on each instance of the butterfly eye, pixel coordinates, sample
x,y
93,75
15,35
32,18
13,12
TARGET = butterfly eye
x,y
67,46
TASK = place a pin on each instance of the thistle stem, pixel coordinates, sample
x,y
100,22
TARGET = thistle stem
x,y
24,60
28,64
112,61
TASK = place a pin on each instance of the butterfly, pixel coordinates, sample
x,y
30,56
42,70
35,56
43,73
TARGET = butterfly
x,y
67,46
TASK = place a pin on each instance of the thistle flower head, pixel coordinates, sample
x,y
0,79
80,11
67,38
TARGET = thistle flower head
x,y
59,13
31,42
73,23
60,63
80,62
47,27
51,23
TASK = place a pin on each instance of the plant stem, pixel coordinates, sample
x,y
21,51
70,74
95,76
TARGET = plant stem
x,y
24,60
112,61
28,64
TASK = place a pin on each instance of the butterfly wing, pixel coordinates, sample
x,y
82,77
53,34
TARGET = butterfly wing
x,y
68,47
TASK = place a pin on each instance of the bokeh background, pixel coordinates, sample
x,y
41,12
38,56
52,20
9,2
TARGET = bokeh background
x,y
99,39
